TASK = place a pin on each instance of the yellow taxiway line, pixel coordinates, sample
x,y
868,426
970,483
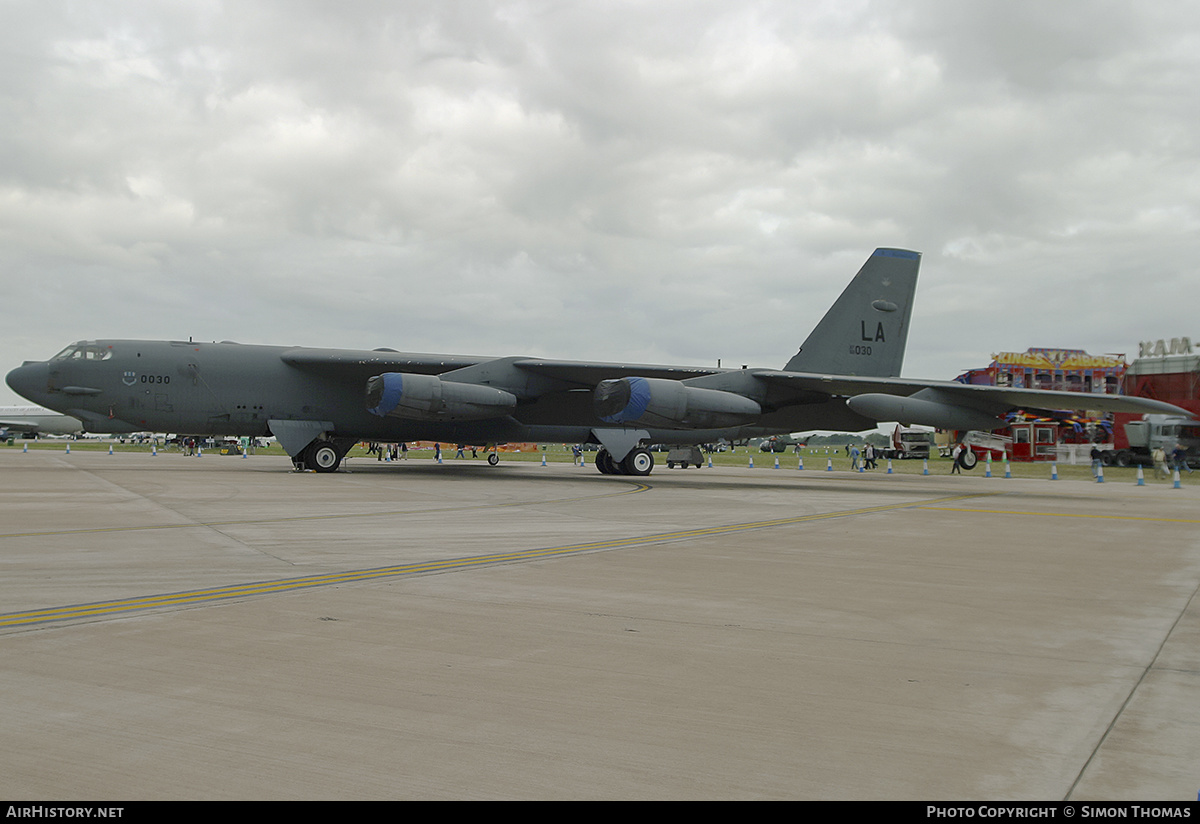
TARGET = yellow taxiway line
x,y
333,516
200,596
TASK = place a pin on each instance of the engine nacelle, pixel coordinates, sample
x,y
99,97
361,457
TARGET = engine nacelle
x,y
927,412
429,398
671,404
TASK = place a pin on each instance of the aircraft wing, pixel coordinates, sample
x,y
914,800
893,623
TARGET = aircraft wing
x,y
376,361
584,374
339,361
953,405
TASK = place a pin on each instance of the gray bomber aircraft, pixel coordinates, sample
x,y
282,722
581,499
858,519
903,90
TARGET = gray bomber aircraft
x,y
320,402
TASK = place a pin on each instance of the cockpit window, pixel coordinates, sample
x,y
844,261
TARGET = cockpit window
x,y
84,350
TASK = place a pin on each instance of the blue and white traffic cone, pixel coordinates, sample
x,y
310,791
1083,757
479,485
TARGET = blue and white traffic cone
x,y
889,466
801,464
1054,470
153,449
26,449
710,461
1100,474
829,466
1177,479
776,461
751,461
925,467
1141,476
1007,468
543,459
110,449
68,449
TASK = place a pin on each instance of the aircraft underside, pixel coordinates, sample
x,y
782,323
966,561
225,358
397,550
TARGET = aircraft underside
x,y
621,451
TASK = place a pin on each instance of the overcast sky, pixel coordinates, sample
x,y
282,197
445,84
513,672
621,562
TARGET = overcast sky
x,y
658,182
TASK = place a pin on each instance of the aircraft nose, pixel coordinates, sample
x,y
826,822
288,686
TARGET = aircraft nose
x,y
29,380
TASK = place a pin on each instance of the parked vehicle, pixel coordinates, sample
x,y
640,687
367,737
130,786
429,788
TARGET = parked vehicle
x,y
908,442
684,456
1136,440
779,443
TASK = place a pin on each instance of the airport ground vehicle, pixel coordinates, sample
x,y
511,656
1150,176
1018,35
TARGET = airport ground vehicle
x,y
1134,441
908,442
685,456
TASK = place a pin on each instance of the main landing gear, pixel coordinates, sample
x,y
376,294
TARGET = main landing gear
x,y
637,462
319,456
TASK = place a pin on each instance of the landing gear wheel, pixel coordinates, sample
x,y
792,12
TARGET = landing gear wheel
x,y
967,459
322,456
493,459
606,464
638,462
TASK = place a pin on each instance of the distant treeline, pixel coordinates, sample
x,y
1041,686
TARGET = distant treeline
x,y
843,438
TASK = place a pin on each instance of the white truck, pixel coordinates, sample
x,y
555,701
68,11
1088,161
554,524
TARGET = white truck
x,y
909,442
1140,438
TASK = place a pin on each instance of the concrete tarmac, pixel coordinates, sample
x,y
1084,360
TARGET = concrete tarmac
x,y
226,628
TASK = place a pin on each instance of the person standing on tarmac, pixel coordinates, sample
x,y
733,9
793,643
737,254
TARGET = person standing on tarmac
x,y
956,469
1179,458
1159,456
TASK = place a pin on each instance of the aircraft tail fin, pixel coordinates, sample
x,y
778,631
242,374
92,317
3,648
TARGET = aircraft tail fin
x,y
865,331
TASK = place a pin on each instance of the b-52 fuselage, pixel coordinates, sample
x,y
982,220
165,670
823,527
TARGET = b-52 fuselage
x,y
320,402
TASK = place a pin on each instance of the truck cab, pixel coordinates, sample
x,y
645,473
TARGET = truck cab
x,y
909,442
1137,439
